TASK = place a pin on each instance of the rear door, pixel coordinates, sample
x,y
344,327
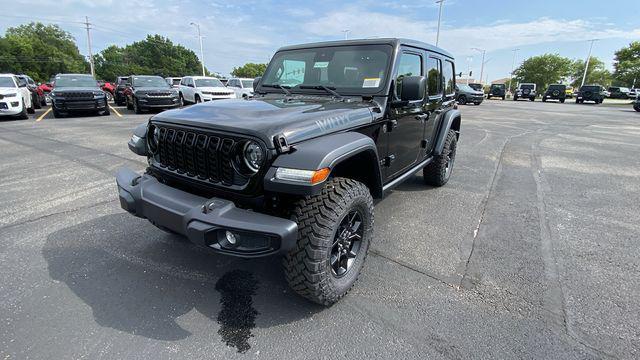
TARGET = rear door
x,y
435,93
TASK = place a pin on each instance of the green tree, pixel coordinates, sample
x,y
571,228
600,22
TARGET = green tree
x,y
543,70
40,51
596,74
249,70
627,65
155,55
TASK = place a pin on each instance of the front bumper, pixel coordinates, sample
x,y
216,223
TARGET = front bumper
x,y
158,103
10,106
206,97
205,221
65,105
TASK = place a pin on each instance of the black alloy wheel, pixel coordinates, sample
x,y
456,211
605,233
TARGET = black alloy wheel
x,y
346,243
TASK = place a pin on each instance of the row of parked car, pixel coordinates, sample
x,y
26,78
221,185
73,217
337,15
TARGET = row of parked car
x,y
19,96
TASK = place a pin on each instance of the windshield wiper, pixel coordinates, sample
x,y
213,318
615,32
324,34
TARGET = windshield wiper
x,y
278,86
330,90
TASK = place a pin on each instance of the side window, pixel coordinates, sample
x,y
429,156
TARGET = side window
x,y
434,80
449,79
409,65
292,72
183,82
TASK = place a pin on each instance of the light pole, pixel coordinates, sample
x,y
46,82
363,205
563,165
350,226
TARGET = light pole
x,y
439,18
513,63
586,64
346,33
201,50
483,51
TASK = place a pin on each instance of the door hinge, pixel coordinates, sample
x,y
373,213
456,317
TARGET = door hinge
x,y
387,160
390,125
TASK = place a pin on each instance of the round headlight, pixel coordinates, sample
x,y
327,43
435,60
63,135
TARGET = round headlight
x,y
253,156
153,137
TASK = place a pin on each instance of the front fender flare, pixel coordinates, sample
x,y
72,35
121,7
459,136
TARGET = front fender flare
x,y
323,152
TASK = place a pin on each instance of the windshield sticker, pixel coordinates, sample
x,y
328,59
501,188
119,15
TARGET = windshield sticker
x,y
320,64
371,83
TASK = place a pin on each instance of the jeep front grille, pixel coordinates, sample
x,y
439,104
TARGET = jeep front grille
x,y
198,154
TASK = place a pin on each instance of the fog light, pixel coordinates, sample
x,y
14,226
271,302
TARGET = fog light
x,y
231,238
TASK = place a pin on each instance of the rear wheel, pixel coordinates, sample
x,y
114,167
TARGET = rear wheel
x,y
56,113
136,106
438,172
636,107
532,99
503,97
23,114
562,101
544,99
335,229
515,97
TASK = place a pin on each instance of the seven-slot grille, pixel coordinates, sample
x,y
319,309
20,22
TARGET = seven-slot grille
x,y
197,154
217,93
159,94
78,95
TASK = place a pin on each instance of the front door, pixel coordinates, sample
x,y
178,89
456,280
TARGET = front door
x,y
406,126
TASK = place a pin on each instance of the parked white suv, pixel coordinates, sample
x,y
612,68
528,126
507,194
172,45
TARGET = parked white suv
x,y
243,87
195,89
526,91
174,82
15,97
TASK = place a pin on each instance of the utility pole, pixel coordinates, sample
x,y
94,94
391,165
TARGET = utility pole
x,y
513,63
439,18
201,50
346,33
88,25
586,64
483,51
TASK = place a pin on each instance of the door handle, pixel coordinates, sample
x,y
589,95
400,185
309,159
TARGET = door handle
x,y
438,111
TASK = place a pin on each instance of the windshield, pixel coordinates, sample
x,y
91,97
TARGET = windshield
x,y
590,88
556,87
349,69
63,81
149,81
497,86
176,81
524,86
208,83
247,84
466,88
7,82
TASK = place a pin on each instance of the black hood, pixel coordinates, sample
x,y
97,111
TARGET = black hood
x,y
153,88
297,119
76,89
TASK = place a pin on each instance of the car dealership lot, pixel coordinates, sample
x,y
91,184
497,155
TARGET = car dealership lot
x,y
532,252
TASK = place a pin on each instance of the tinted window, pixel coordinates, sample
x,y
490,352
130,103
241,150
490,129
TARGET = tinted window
x,y
409,65
247,84
149,81
434,69
7,82
449,79
556,87
208,83
530,87
497,86
75,81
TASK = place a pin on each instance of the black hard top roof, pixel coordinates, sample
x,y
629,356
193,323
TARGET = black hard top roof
x,y
376,41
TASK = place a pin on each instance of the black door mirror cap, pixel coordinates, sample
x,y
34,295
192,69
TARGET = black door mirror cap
x,y
413,88
256,81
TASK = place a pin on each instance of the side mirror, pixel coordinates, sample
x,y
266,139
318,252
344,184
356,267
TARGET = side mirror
x,y
413,88
256,81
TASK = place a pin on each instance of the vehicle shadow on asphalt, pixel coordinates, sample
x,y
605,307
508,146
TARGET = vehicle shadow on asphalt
x,y
140,280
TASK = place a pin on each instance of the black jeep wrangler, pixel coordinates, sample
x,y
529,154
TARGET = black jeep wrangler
x,y
555,92
294,170
497,90
593,93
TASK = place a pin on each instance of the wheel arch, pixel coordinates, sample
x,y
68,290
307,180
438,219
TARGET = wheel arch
x,y
452,121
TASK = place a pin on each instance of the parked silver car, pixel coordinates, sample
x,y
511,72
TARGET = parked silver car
x,y
243,87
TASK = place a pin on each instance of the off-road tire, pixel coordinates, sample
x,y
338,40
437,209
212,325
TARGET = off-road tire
x,y
562,101
462,100
307,266
515,97
31,110
544,99
532,99
504,97
488,97
636,107
436,174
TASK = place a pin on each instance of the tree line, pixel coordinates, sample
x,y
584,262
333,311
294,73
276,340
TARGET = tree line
x,y
547,69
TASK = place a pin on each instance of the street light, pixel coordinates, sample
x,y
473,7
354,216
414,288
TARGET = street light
x,y
201,51
513,63
586,64
483,51
439,18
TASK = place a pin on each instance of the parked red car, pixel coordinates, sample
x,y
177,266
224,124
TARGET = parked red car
x,y
108,88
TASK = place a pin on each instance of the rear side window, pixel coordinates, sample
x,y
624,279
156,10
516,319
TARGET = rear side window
x,y
449,79
434,72
409,65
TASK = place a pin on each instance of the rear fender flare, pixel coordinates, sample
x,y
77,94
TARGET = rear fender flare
x,y
451,120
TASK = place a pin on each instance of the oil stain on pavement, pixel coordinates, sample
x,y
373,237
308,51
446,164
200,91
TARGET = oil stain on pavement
x,y
237,316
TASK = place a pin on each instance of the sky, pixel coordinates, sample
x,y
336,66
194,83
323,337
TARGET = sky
x,y
236,32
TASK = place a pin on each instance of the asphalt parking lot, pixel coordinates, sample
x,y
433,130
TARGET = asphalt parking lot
x,y
530,251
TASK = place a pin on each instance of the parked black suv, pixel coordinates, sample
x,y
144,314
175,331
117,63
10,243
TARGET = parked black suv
x,y
555,92
593,93
466,94
77,93
118,95
146,92
497,90
294,170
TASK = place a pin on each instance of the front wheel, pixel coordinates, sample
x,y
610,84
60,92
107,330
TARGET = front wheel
x,y
335,229
462,100
636,107
438,172
136,107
